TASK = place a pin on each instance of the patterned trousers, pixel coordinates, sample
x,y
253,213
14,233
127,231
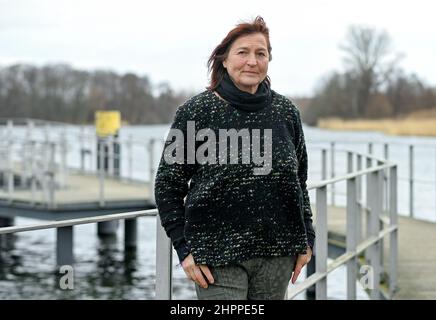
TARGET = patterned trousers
x,y
256,279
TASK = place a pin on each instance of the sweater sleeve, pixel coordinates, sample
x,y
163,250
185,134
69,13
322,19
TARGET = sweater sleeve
x,y
171,187
302,177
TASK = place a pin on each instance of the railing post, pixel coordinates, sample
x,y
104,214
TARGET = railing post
x,y
163,263
382,212
130,155
64,246
359,200
150,149
351,237
30,161
63,159
9,155
369,206
32,172
411,181
311,266
321,241
374,224
370,148
386,177
82,149
349,162
332,167
101,150
51,174
323,164
10,165
130,233
110,156
393,241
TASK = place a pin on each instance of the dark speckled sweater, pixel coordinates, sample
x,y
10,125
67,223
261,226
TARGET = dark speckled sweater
x,y
229,213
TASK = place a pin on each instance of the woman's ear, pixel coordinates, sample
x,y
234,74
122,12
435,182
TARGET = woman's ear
x,y
224,64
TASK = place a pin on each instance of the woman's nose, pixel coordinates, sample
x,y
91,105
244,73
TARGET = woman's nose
x,y
252,60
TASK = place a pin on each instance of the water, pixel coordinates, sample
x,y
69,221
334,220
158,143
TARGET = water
x,y
104,271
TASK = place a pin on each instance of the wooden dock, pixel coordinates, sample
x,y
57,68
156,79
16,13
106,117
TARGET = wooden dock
x,y
416,254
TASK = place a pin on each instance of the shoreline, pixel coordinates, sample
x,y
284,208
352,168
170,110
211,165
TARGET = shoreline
x,y
394,127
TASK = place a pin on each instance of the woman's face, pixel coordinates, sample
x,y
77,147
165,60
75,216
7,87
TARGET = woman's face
x,y
247,61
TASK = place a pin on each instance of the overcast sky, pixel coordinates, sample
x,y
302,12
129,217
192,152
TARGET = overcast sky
x,y
172,40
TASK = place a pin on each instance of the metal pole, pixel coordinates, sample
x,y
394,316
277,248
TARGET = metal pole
x,y
375,178
64,246
411,181
82,149
10,171
32,173
163,263
51,173
332,166
359,199
382,213
63,158
110,143
129,150
151,164
369,207
370,148
321,241
101,173
323,164
393,240
30,161
351,237
349,162
130,233
386,178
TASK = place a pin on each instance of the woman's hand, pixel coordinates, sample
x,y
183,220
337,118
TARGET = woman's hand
x,y
197,272
302,260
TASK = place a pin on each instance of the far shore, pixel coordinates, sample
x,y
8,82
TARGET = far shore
x,y
400,127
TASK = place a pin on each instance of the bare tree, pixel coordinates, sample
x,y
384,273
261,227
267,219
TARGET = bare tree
x,y
369,60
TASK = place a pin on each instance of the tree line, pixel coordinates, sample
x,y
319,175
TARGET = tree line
x,y
372,84
61,93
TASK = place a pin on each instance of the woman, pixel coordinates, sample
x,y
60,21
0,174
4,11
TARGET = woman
x,y
240,233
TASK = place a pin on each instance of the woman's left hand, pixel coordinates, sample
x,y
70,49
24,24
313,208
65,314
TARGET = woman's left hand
x,y
302,260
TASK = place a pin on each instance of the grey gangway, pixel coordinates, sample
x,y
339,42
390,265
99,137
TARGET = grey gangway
x,y
360,246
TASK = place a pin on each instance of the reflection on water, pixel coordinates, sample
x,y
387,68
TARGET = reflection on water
x,y
103,268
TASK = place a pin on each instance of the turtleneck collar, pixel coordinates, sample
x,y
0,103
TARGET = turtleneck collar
x,y
242,100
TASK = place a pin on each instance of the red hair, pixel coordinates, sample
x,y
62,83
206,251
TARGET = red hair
x,y
220,53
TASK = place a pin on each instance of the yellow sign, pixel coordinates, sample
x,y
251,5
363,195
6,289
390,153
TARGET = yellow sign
x,y
107,122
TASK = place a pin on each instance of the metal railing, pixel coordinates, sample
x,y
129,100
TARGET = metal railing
x,y
409,162
378,226
356,242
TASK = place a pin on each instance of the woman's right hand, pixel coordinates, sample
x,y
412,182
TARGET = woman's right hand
x,y
196,272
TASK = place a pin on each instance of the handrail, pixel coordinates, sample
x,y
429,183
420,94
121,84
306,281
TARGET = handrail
x,y
339,261
79,221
